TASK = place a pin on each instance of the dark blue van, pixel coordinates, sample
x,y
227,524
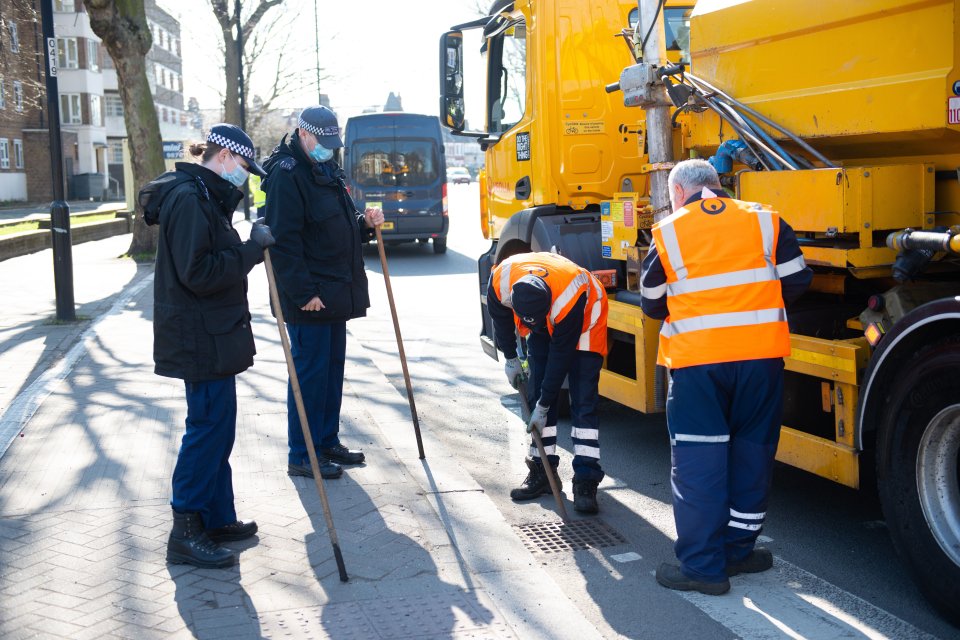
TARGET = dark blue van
x,y
397,159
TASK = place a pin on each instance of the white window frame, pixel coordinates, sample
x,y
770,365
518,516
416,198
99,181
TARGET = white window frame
x,y
64,58
18,153
67,116
116,151
14,38
96,110
65,6
93,55
18,95
3,95
112,106
4,153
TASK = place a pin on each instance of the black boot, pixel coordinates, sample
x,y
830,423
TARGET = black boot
x,y
585,496
239,530
189,544
536,482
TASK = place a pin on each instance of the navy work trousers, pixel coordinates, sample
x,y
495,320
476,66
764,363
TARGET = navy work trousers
x,y
584,381
319,354
202,478
724,422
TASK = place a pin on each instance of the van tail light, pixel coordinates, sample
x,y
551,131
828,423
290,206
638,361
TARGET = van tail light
x,y
445,212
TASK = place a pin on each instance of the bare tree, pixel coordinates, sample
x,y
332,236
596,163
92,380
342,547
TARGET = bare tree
x,y
122,26
231,26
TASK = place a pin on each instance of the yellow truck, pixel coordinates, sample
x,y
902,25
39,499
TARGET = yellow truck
x,y
844,117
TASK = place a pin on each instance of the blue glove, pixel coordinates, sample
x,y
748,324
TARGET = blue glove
x,y
260,233
538,418
515,372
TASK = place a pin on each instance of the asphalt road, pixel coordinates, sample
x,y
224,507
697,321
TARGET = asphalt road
x,y
836,576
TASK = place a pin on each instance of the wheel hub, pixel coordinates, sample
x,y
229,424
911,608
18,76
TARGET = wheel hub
x,y
938,479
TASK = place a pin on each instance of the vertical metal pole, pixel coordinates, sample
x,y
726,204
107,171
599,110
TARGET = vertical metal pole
x,y
659,128
316,40
59,210
243,101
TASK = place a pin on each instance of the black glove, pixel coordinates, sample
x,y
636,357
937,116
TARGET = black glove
x,y
260,233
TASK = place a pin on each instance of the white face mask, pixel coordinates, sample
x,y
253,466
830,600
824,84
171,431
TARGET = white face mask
x,y
236,177
320,153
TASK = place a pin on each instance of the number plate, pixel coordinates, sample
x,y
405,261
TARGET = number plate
x,y
387,226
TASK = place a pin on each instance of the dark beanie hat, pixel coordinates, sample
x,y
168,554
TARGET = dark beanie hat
x,y
531,299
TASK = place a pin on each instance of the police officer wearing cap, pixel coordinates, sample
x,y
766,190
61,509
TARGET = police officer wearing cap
x,y
202,334
720,274
320,277
561,310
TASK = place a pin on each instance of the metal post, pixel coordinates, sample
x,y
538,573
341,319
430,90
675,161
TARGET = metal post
x,y
59,210
243,101
659,128
316,40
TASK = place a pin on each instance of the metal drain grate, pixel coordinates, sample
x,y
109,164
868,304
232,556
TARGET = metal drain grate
x,y
576,535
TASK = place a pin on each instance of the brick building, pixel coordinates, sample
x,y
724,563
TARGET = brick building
x,y
24,137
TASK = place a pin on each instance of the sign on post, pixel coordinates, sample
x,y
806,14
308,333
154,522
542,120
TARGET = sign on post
x,y
172,150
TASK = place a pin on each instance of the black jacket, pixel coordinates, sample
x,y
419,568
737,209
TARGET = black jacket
x,y
201,322
319,231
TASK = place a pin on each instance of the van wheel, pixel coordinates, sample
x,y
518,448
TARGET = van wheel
x,y
439,245
918,471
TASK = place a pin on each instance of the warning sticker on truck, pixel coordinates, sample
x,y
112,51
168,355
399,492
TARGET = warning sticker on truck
x,y
953,110
580,127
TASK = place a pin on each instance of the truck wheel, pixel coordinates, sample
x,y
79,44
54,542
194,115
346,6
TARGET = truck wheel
x,y
439,245
918,471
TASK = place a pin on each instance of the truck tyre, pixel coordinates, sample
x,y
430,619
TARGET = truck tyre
x,y
918,470
439,245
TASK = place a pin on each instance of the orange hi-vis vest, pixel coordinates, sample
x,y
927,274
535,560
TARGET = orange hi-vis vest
x,y
567,281
723,292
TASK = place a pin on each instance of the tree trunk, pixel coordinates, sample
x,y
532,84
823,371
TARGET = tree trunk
x,y
231,69
122,25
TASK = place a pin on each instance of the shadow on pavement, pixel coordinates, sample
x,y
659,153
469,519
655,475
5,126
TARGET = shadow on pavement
x,y
414,259
224,612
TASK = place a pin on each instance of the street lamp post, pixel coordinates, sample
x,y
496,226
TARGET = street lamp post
x,y
59,210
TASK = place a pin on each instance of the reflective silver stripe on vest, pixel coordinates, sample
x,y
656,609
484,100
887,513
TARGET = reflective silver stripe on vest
x,y
567,295
689,437
506,297
765,217
653,293
584,344
722,320
791,267
672,247
720,280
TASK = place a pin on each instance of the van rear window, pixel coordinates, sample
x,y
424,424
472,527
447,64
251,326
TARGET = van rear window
x,y
394,162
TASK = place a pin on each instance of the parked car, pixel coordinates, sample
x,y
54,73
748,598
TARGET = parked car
x,y
398,161
458,175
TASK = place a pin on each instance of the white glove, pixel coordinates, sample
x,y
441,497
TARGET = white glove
x,y
538,418
515,373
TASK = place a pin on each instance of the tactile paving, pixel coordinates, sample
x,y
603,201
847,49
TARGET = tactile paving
x,y
576,535
446,615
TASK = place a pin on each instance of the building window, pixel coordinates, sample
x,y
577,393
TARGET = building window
x,y
183,119
113,106
18,153
96,113
4,153
70,108
164,112
18,95
93,55
66,6
67,53
116,152
14,42
3,95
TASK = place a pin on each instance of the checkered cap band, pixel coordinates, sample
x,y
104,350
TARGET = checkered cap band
x,y
319,131
227,143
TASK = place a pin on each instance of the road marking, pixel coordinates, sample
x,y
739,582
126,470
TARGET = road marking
x,y
790,602
26,404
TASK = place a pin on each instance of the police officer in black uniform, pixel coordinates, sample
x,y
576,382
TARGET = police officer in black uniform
x,y
202,334
320,277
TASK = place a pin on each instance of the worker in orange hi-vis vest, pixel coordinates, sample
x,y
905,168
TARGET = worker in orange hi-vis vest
x,y
561,310
720,273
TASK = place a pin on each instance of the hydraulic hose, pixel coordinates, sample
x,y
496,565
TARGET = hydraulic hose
x,y
765,120
924,241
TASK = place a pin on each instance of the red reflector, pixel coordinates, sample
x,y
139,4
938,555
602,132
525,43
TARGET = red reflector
x,y
876,303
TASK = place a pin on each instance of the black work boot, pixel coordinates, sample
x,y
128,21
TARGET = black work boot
x,y
585,496
536,483
189,544
328,470
239,530
760,559
670,576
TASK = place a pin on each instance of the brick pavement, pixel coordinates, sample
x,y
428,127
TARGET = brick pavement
x,y
84,515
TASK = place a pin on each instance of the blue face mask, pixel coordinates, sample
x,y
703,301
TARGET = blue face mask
x,y
320,153
236,177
